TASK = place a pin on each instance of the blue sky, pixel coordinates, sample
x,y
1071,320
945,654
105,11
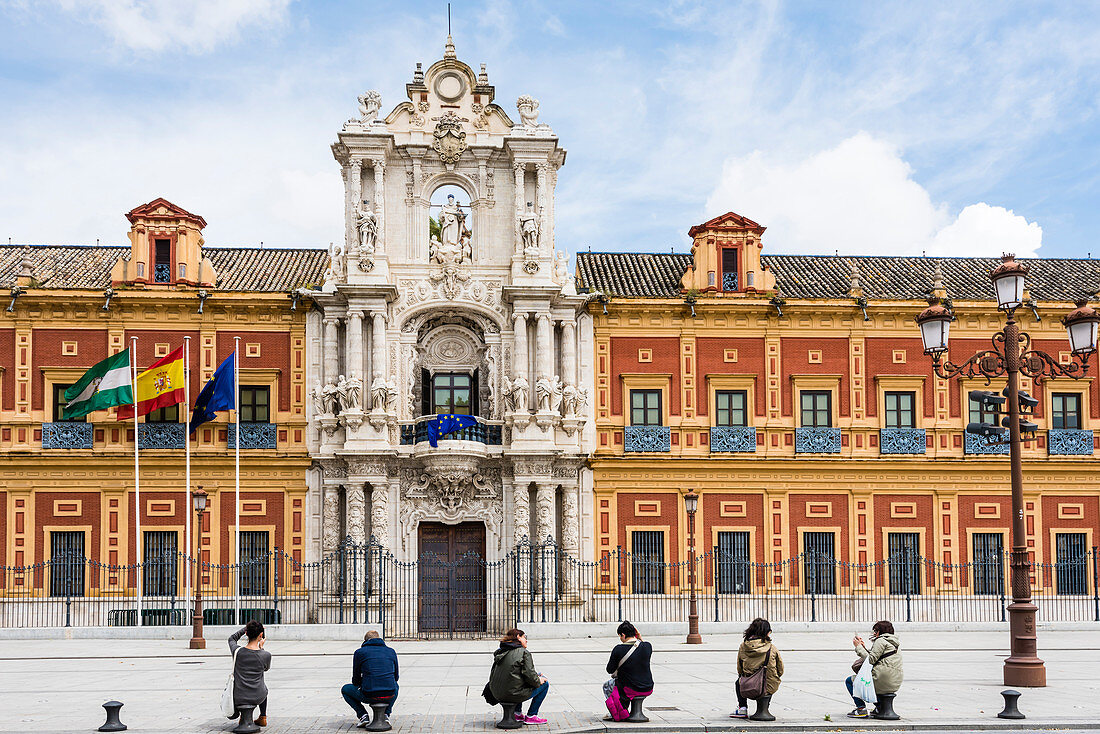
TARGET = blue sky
x,y
888,128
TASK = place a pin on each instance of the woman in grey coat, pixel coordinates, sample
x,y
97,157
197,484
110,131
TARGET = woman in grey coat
x,y
250,664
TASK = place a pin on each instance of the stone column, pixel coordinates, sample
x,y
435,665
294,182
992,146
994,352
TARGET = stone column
x,y
331,358
355,512
570,532
354,357
378,344
544,511
379,203
540,196
520,367
521,504
544,347
379,513
330,517
354,182
568,352
519,169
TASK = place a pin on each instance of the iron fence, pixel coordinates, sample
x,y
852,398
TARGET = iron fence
x,y
469,596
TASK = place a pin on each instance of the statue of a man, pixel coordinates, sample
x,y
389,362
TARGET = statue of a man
x,y
529,228
528,108
452,221
543,390
556,395
378,393
391,396
369,105
354,392
520,391
342,393
330,394
366,223
318,396
569,399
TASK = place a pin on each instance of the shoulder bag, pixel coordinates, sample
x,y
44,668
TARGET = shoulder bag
x,y
227,693
858,662
609,684
753,685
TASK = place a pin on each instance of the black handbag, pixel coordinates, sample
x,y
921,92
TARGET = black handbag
x,y
487,693
753,685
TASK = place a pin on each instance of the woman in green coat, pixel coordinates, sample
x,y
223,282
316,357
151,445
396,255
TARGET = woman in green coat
x,y
885,657
514,678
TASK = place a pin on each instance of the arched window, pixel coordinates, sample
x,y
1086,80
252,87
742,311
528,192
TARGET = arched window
x,y
449,226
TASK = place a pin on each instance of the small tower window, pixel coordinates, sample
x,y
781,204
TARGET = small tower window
x,y
729,269
162,263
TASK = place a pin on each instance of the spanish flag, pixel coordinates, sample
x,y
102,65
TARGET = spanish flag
x,y
157,387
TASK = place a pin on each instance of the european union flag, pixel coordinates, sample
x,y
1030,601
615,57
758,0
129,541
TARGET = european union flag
x,y
216,395
444,424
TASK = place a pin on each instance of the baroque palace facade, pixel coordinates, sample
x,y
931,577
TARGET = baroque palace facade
x,y
792,393
67,487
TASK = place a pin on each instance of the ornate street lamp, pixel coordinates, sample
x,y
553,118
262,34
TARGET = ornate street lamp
x,y
198,502
691,504
1011,355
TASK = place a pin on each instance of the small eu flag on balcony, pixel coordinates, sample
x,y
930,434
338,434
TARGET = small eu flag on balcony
x,y
444,424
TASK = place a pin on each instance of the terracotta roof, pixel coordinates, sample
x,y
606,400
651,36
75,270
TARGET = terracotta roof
x,y
238,268
653,275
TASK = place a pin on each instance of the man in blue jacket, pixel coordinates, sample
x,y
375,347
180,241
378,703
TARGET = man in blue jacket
x,y
373,677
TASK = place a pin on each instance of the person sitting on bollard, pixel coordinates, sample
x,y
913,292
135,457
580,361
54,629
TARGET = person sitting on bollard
x,y
885,657
514,678
756,651
250,662
630,672
374,677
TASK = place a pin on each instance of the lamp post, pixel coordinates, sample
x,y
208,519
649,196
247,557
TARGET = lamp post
x,y
198,501
691,504
1011,355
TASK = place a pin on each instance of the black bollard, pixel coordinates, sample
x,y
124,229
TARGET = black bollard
x,y
1011,711
112,723
884,709
762,713
378,721
636,713
246,725
509,720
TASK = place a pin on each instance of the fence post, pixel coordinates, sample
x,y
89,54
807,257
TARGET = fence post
x,y
557,581
715,562
68,593
382,592
542,580
517,597
813,586
354,585
908,583
1095,591
341,570
619,579
1001,582
275,561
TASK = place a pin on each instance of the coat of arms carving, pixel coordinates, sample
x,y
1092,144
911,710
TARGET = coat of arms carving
x,y
450,139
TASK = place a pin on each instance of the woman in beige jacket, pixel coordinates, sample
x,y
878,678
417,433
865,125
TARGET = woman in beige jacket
x,y
751,656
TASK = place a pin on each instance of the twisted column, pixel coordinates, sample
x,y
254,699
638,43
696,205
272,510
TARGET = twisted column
x,y
353,180
355,512
379,166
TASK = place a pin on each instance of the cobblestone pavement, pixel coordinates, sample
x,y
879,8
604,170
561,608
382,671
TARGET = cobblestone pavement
x,y
951,683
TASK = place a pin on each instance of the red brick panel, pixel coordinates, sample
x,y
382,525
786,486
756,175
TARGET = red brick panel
x,y
880,361
1069,514
624,359
667,519
274,354
975,513
275,512
711,361
795,362
91,345
89,518
7,368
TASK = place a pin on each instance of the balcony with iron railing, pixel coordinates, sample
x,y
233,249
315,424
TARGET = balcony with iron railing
x,y
817,441
902,441
67,435
732,439
1068,442
253,436
487,432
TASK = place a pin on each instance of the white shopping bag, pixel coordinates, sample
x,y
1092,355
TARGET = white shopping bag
x,y
863,685
227,705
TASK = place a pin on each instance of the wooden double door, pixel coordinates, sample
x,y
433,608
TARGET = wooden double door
x,y
451,579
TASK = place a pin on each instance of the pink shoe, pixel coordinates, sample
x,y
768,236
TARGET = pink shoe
x,y
518,717
534,720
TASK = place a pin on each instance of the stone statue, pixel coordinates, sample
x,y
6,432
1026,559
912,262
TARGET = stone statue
x,y
378,393
329,395
556,395
342,393
452,221
529,229
569,400
354,392
520,391
337,261
543,390
561,268
391,396
528,108
369,105
318,396
366,223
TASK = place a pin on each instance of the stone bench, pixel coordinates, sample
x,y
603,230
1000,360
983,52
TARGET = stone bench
x,y
378,720
884,709
508,721
245,724
636,714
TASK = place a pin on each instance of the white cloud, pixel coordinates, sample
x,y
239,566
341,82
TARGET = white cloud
x,y
860,198
188,25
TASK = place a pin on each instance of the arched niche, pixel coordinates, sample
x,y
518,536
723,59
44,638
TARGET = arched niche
x,y
453,226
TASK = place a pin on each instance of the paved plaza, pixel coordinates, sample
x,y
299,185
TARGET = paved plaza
x,y
952,683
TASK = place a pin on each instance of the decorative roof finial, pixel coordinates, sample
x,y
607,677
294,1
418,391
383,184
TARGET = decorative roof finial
x,y
449,49
937,282
483,77
853,279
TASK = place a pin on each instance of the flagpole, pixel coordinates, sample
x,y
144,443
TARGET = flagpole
x,y
237,474
187,462
137,481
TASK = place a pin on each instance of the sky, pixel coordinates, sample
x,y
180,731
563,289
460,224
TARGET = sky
x,y
892,128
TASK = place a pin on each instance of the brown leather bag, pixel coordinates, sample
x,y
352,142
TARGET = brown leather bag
x,y
755,684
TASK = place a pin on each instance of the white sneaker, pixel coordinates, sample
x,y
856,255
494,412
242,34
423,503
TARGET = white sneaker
x,y
363,721
740,713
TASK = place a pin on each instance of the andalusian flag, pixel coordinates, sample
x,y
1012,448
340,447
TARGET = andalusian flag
x,y
158,387
105,385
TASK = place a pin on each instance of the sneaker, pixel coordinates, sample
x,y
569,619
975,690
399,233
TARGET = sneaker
x,y
858,713
363,721
534,720
262,721
740,713
518,716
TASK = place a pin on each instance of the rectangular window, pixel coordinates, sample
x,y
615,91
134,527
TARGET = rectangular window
x,y
254,563
645,407
255,404
1072,563
988,564
817,410
729,269
899,410
733,562
647,561
161,563
819,562
977,415
904,562
451,393
59,406
730,408
1065,411
162,266
167,414
67,563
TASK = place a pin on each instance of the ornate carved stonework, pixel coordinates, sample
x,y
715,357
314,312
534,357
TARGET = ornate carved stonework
x,y
330,517
449,138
